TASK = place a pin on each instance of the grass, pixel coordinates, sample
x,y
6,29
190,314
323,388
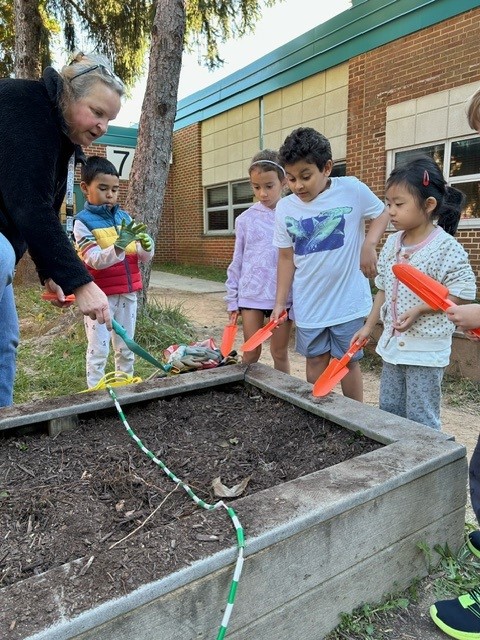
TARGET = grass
x,y
451,577
216,274
51,355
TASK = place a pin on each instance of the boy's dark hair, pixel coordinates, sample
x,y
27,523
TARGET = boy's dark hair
x,y
423,178
95,165
306,144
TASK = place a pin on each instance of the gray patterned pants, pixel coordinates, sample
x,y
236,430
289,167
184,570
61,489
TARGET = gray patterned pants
x,y
412,392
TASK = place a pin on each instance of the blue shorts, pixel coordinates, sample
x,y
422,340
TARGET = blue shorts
x,y
334,340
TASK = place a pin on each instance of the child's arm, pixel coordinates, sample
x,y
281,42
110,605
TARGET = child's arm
x,y
466,316
234,269
90,252
372,319
368,255
285,271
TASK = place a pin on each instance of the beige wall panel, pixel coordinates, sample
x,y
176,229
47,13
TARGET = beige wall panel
x,y
234,116
250,110
339,147
292,95
400,133
432,102
336,124
208,176
272,101
220,139
431,126
315,123
221,174
220,156
457,121
208,126
208,159
273,140
291,116
221,122
313,86
250,148
272,122
313,108
250,129
236,170
208,143
401,110
336,77
234,134
235,152
336,100
462,94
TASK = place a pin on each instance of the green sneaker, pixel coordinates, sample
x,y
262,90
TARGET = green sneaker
x,y
459,618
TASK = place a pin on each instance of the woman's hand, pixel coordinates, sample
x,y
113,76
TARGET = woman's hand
x,y
93,303
53,287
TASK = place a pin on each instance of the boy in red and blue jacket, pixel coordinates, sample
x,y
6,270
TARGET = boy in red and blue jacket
x,y
111,245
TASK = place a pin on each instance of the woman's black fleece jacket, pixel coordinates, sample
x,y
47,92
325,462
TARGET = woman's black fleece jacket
x,y
34,154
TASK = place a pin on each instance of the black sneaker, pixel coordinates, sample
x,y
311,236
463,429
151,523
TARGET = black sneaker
x,y
473,543
459,618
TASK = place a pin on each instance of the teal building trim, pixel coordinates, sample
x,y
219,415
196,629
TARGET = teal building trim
x,y
361,28
119,137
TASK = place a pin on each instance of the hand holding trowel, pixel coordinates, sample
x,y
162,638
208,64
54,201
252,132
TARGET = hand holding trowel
x,y
426,288
263,334
336,370
229,334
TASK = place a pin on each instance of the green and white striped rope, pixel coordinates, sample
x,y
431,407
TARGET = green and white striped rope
x,y
201,503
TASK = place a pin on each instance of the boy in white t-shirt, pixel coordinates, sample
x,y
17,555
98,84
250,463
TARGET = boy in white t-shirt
x,y
324,254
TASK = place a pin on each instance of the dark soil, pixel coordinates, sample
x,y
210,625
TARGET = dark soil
x,y
92,494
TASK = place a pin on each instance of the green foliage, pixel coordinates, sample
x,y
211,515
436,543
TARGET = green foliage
x,y
51,355
7,38
210,23
121,30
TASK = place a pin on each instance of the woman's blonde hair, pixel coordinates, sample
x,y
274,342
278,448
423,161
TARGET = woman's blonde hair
x,y
473,111
83,72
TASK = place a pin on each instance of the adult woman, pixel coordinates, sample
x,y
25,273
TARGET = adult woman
x,y
43,124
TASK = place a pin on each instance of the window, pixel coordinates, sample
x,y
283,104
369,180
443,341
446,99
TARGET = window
x,y
224,204
460,163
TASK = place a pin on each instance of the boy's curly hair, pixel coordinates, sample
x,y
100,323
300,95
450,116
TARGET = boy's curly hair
x,y
306,144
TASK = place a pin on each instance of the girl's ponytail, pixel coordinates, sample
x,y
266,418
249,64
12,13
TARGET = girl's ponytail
x,y
450,210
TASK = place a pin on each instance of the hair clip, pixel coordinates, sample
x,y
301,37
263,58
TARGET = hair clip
x,y
426,178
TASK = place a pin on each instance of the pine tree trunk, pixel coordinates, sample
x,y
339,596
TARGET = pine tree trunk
x,y
27,65
149,173
28,29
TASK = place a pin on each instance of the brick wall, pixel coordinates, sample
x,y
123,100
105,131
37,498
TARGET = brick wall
x,y
181,238
431,60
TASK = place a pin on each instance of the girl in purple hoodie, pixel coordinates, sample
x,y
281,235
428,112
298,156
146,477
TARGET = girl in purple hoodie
x,y
252,274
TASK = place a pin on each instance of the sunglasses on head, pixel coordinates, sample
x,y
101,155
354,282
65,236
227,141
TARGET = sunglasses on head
x,y
104,69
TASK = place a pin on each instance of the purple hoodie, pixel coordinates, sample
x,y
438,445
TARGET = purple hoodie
x,y
252,274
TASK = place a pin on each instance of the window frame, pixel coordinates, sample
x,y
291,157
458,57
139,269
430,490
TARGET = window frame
x,y
231,208
465,223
